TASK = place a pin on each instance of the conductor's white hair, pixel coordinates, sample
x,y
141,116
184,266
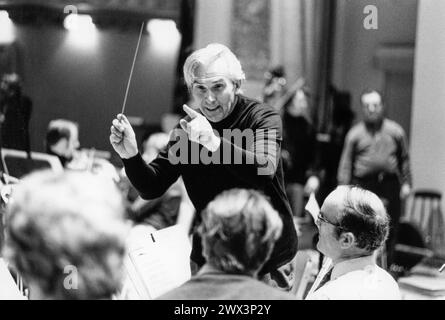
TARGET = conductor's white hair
x,y
206,56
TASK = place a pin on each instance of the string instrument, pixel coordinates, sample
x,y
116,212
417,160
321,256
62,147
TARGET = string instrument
x,y
299,85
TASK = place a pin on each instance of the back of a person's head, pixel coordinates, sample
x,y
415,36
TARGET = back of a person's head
x,y
213,53
239,230
65,235
364,215
59,129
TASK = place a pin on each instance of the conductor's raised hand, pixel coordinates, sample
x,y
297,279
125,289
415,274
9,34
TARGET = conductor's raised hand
x,y
123,138
199,129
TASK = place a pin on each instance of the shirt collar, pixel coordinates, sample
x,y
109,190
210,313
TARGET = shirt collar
x,y
210,269
207,268
347,266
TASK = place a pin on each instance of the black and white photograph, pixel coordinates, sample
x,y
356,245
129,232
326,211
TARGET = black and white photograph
x,y
222,157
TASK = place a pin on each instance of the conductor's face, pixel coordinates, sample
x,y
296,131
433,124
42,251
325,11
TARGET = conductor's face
x,y
213,92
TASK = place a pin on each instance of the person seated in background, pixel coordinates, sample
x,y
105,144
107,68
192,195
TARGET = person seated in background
x,y
219,113
62,140
65,235
239,230
299,146
353,225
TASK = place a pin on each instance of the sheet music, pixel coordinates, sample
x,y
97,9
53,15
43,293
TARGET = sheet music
x,y
8,287
158,261
312,207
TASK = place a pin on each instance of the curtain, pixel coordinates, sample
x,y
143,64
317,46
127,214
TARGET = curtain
x,y
10,59
301,41
186,27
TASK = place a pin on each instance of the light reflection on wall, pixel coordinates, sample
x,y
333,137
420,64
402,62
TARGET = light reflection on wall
x,y
164,37
82,32
6,28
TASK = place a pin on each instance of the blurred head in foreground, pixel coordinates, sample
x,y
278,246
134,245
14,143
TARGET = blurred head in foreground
x,y
65,235
239,230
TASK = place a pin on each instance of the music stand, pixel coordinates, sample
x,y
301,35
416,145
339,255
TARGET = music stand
x,y
18,163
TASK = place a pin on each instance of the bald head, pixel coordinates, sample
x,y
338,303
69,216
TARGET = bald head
x,y
361,212
356,197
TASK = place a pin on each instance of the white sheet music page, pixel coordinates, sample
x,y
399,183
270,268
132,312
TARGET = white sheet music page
x,y
161,260
8,288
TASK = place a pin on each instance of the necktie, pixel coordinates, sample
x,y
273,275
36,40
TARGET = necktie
x,y
325,279
323,276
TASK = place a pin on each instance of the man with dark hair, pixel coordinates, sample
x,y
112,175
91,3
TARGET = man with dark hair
x,y
353,225
15,113
375,157
239,230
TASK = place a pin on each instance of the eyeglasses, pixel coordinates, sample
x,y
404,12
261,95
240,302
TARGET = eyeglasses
x,y
320,217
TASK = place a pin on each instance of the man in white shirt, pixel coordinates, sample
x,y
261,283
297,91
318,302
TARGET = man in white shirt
x,y
353,225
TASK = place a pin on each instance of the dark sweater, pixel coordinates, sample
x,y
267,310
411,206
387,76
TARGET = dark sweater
x,y
205,182
299,141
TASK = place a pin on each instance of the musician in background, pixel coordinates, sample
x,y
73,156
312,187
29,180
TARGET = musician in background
x,y
299,136
62,140
65,235
15,114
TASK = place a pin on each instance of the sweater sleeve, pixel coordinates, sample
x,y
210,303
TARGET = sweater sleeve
x,y
259,156
151,180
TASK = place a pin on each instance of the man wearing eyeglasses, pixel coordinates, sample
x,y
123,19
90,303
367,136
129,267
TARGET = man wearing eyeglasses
x,y
353,225
215,163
